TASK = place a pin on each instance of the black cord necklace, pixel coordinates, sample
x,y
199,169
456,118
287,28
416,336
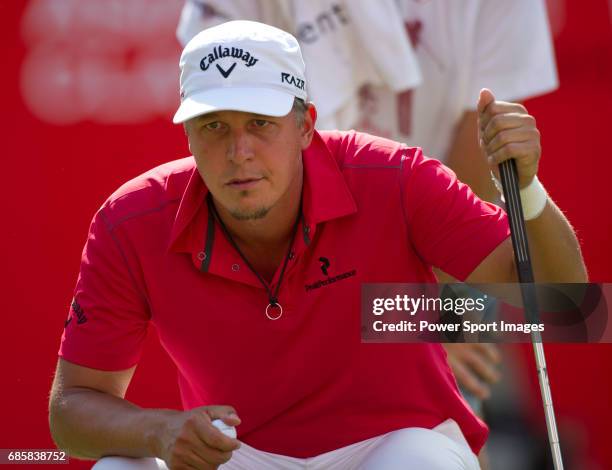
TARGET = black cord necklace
x,y
272,295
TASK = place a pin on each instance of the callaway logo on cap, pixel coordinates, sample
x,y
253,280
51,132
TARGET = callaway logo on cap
x,y
240,66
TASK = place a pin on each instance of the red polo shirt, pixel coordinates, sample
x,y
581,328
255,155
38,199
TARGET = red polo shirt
x,y
303,384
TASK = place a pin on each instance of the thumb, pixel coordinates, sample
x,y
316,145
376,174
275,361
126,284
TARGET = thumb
x,y
226,413
485,98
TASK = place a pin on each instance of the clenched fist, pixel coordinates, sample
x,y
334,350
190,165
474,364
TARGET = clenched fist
x,y
189,440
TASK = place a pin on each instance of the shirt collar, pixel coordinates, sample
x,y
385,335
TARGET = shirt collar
x,y
192,202
326,196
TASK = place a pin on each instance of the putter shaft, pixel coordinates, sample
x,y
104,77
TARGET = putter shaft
x,y
509,180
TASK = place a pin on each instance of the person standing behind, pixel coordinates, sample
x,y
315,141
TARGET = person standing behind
x,y
463,46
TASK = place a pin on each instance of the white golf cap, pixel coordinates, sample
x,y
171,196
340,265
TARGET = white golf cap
x,y
241,66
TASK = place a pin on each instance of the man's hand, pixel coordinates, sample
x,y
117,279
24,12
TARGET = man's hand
x,y
474,366
507,131
189,439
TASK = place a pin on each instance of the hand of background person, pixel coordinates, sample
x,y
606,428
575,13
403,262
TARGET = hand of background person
x,y
507,130
474,366
189,439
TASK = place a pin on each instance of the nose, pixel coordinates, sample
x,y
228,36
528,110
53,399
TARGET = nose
x,y
240,148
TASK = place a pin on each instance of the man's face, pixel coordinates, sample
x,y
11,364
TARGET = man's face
x,y
249,162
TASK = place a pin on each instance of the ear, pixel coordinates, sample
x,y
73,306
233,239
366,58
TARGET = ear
x,y
310,118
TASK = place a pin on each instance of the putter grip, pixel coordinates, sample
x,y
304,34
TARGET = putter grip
x,y
514,209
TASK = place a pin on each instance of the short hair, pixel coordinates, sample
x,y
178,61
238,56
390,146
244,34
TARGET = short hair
x,y
300,108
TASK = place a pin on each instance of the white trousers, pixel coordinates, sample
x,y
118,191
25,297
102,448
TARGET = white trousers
x,y
440,448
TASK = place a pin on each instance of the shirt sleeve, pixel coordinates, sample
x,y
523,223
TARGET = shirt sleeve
x,y
109,316
449,226
513,51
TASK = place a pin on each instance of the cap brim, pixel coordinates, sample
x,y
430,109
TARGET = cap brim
x,y
265,101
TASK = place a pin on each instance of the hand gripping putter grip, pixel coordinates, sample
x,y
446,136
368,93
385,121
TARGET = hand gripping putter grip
x,y
509,180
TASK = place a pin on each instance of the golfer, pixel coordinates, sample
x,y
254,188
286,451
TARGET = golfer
x,y
249,257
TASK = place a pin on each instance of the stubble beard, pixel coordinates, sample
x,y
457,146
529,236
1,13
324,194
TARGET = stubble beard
x,y
252,214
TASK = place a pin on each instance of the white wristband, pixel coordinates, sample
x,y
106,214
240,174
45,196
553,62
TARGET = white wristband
x,y
533,197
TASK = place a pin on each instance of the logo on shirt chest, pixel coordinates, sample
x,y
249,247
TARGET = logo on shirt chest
x,y
327,270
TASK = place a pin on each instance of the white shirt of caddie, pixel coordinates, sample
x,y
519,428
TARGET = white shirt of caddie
x,y
462,46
